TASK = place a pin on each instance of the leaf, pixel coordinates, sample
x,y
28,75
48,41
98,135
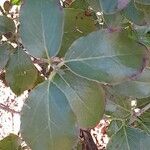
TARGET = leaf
x,y
41,27
146,11
79,4
7,6
85,97
143,33
5,50
75,26
133,14
106,56
144,2
6,25
110,7
47,121
118,107
21,74
138,88
114,127
143,121
16,2
128,138
10,142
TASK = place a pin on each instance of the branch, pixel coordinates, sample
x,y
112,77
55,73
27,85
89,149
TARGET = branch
x,y
135,115
88,140
6,108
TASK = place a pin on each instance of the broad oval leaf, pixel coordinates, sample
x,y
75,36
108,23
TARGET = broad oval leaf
x,y
47,121
5,50
128,138
106,56
41,27
75,26
11,142
112,6
144,2
21,74
138,88
6,25
85,97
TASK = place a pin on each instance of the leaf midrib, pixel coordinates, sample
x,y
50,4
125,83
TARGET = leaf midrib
x,y
75,93
43,34
125,133
100,57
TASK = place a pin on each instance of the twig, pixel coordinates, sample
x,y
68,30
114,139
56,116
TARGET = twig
x,y
88,140
6,108
135,115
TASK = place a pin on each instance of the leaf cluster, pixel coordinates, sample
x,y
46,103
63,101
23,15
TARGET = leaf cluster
x,y
94,56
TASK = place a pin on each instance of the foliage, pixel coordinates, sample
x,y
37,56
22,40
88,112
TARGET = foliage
x,y
94,56
11,142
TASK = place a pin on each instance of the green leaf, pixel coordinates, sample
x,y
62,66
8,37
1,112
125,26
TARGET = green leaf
x,y
16,2
146,11
143,121
118,107
128,138
138,88
75,27
5,50
11,142
112,6
143,102
143,33
85,97
41,27
6,25
21,74
106,56
47,121
144,2
114,127
133,14
79,4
